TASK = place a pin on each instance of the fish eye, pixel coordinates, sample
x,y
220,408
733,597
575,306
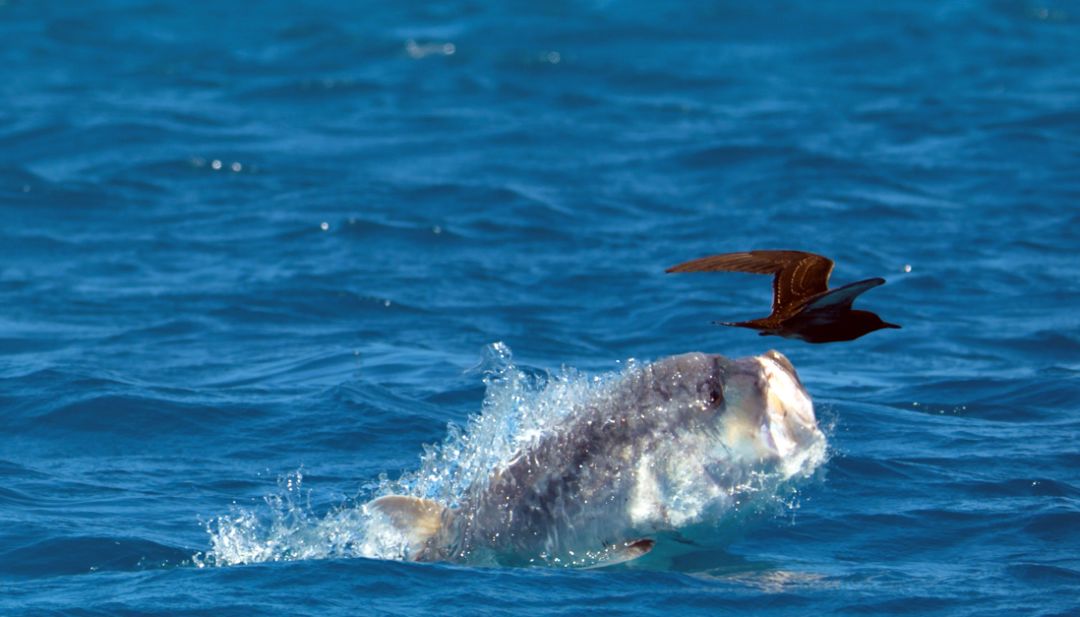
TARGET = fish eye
x,y
716,396
713,392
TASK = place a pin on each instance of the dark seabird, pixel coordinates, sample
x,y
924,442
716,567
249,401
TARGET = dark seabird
x,y
803,305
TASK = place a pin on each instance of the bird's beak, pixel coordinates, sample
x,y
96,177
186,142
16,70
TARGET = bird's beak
x,y
891,325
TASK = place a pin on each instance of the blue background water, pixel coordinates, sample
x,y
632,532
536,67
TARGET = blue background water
x,y
244,240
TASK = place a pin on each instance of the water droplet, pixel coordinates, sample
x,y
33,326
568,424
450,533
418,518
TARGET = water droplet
x,y
324,226
236,167
215,164
907,267
422,50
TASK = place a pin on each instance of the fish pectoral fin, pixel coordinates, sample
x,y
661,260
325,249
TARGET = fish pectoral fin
x,y
624,552
417,519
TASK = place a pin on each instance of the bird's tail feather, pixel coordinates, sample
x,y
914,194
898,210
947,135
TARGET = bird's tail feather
x,y
754,324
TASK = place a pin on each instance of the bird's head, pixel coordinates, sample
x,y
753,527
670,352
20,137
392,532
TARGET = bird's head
x,y
865,322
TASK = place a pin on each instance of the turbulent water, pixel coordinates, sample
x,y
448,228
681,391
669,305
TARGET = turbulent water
x,y
256,257
519,411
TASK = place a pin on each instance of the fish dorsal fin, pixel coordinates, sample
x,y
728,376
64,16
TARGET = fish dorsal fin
x,y
624,552
417,519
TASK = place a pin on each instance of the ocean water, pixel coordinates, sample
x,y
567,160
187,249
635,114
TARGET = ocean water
x,y
256,256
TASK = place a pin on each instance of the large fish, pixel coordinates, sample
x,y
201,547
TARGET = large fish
x,y
673,445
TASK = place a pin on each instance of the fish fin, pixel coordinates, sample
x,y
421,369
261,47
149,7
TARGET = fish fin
x,y
417,519
624,552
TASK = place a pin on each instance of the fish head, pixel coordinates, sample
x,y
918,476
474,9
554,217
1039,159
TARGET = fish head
x,y
737,428
767,415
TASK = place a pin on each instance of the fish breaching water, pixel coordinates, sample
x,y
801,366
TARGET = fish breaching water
x,y
635,467
672,445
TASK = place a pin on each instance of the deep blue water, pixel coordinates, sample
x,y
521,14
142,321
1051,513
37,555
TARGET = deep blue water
x,y
246,246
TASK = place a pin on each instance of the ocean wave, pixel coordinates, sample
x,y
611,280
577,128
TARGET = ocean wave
x,y
88,554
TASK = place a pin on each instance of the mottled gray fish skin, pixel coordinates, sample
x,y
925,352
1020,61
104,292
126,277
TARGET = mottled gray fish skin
x,y
589,484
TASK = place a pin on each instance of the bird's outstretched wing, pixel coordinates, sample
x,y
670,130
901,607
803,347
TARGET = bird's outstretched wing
x,y
842,297
797,275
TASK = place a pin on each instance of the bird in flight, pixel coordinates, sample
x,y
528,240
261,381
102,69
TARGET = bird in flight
x,y
803,305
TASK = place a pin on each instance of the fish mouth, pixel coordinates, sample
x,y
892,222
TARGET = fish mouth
x,y
781,361
790,424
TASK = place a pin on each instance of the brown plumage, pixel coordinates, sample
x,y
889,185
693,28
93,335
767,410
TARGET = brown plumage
x,y
803,305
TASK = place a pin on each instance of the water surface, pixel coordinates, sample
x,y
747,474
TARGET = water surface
x,y
249,246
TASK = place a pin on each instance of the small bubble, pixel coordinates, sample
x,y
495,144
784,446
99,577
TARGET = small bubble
x,y
449,49
236,167
198,162
215,164
386,303
553,57
26,188
907,267
324,226
436,230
